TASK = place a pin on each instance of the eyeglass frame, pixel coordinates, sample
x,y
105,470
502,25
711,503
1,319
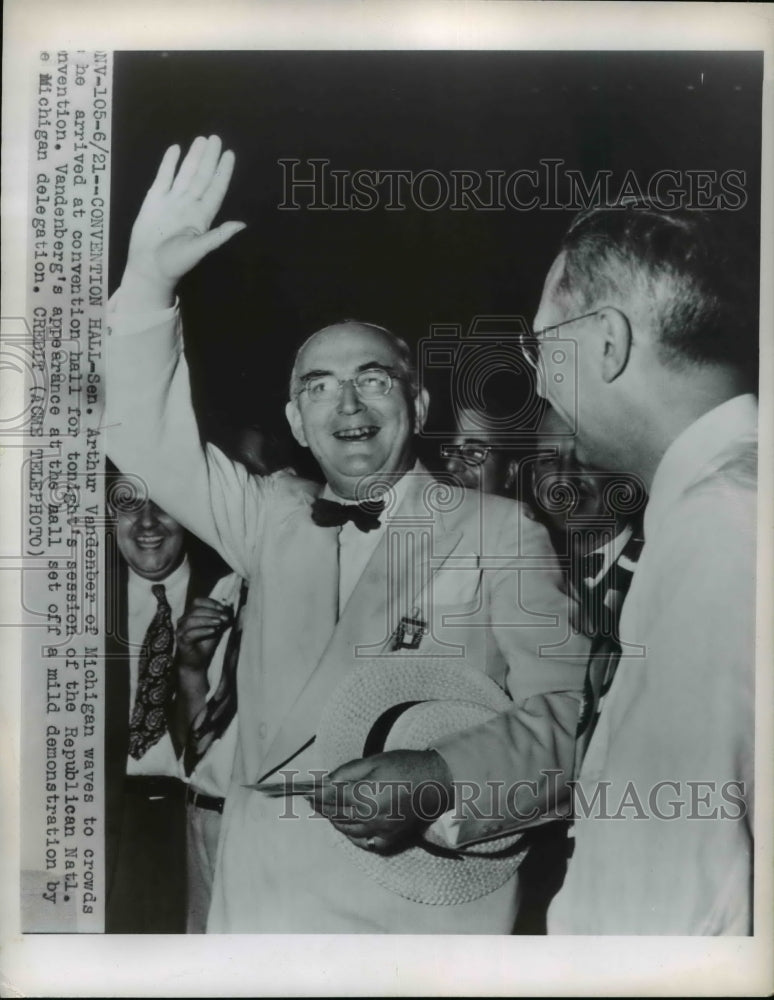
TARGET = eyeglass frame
x,y
390,376
533,336
488,449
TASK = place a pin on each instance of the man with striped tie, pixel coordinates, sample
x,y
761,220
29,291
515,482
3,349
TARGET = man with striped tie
x,y
153,583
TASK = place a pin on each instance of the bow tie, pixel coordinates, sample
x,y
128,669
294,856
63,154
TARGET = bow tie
x,y
328,514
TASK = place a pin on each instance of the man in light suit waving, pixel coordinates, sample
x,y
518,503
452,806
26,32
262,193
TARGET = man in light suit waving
x,y
382,562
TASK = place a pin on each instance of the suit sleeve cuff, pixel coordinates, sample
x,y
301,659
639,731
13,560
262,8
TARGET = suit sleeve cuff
x,y
125,320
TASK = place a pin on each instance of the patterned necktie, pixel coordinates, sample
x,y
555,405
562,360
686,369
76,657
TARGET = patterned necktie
x,y
155,679
602,601
329,514
216,716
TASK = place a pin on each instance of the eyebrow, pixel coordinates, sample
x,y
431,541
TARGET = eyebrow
x,y
365,367
315,373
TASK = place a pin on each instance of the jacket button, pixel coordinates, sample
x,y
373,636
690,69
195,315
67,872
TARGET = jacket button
x,y
262,731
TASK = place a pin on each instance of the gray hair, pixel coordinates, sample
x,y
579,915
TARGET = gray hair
x,y
691,271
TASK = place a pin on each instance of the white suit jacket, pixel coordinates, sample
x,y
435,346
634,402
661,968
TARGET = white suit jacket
x,y
500,606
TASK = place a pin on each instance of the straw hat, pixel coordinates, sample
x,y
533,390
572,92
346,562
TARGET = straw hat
x,y
402,702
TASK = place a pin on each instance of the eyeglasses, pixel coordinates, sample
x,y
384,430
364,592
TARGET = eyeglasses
x,y
471,454
370,384
530,342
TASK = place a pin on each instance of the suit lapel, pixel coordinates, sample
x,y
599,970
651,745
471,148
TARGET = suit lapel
x,y
413,547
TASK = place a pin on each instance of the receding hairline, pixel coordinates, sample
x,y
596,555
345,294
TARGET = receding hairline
x,y
397,345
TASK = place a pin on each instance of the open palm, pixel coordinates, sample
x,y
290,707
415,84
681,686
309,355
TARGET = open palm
x,y
172,231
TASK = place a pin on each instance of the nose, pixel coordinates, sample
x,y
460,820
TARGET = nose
x,y
454,464
349,401
148,515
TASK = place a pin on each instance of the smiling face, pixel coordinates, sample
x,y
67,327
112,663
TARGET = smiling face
x,y
149,539
352,438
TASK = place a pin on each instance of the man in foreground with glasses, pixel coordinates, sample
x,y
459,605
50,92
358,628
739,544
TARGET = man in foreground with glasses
x,y
652,307
381,563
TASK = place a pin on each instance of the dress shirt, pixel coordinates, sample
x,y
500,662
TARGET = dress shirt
x,y
355,546
682,712
142,605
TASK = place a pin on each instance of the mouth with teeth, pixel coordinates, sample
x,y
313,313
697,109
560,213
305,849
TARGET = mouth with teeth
x,y
149,542
356,435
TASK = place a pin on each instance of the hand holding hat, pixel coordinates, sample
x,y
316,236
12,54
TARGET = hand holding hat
x,y
379,802
372,744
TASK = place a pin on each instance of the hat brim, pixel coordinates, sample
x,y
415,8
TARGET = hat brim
x,y
421,700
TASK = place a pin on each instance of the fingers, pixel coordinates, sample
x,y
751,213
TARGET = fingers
x,y
215,238
377,845
353,770
209,603
207,608
166,172
190,165
204,618
218,179
205,175
206,168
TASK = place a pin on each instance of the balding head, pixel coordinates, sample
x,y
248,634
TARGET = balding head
x,y
402,353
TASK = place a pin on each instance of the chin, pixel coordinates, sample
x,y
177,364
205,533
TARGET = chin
x,y
360,465
156,572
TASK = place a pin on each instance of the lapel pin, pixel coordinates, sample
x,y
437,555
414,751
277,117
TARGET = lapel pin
x,y
408,634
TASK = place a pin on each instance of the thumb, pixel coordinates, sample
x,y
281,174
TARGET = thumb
x,y
353,770
215,238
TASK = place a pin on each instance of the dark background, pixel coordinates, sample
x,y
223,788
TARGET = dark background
x,y
291,272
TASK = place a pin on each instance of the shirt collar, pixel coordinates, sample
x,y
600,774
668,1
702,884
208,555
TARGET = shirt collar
x,y
178,578
702,447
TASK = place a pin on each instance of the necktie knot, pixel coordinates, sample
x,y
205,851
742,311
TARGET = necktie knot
x,y
329,514
160,593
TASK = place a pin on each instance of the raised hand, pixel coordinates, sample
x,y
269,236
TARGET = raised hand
x,y
172,231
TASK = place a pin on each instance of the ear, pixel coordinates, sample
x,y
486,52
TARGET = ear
x,y
421,406
296,423
616,342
